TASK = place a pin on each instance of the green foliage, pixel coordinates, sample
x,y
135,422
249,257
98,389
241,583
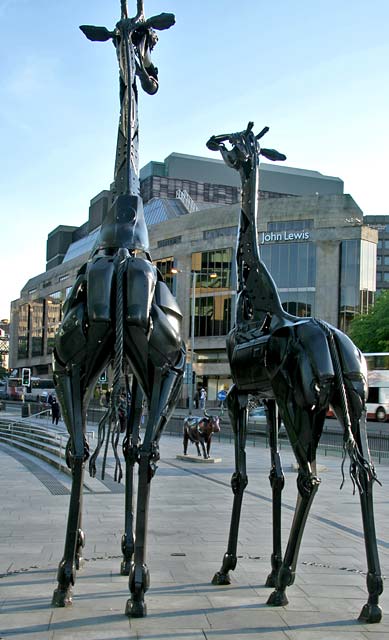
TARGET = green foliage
x,y
370,332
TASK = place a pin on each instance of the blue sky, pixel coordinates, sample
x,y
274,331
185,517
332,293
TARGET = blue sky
x,y
315,72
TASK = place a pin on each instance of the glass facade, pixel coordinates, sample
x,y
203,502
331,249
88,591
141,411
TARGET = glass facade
x,y
24,331
293,267
213,295
37,310
357,279
54,316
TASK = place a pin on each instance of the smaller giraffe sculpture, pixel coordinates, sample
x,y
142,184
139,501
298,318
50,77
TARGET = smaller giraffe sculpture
x,y
297,366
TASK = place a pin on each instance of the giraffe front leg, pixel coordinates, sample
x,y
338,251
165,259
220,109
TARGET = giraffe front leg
x,y
139,577
238,416
62,596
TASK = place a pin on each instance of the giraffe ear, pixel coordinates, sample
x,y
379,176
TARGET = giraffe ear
x,y
99,34
272,154
161,21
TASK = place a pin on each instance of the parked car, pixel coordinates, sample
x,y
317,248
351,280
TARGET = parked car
x,y
258,417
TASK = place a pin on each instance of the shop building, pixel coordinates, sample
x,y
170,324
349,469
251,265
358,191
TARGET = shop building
x,y
312,237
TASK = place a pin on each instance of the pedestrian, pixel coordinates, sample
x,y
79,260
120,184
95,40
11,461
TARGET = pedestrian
x,y
122,413
203,397
55,411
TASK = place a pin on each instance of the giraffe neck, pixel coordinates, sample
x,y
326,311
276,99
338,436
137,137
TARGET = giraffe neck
x,y
124,224
126,174
257,291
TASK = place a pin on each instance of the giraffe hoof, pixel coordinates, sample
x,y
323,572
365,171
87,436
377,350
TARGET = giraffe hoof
x,y
277,599
370,613
221,578
271,579
62,598
125,568
135,609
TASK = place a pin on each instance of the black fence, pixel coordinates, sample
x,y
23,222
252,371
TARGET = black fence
x,y
331,441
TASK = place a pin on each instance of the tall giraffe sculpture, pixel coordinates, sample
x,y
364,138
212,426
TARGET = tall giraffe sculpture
x,y
120,311
298,366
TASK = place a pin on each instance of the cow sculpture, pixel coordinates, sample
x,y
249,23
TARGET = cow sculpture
x,y
199,431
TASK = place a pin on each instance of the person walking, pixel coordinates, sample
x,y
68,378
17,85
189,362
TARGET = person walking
x,y
203,397
55,411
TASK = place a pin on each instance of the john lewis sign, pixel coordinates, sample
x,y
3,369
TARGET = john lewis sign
x,y
284,236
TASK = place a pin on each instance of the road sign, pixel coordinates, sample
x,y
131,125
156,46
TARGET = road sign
x,y
222,395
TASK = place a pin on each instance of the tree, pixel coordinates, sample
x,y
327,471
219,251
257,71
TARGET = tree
x,y
370,332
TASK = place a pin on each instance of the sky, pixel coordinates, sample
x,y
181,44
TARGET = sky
x,y
315,72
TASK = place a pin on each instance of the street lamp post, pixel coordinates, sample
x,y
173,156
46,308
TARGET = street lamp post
x,y
192,337
192,326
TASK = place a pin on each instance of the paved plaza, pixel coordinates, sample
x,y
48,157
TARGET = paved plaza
x,y
188,528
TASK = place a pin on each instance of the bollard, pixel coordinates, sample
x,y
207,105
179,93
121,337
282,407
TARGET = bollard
x,y
26,410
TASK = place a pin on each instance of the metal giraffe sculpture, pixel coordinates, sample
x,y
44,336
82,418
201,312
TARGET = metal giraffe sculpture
x,y
120,310
299,365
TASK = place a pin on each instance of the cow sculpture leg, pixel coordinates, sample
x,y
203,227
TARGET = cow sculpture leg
x,y
237,408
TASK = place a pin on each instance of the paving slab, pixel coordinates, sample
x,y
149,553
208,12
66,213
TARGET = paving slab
x,y
190,511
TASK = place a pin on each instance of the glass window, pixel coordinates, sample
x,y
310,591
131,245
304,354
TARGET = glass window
x,y
290,225
379,244
165,266
368,265
386,260
299,303
386,244
349,282
54,304
209,263
216,233
379,261
212,315
291,264
386,276
169,241
358,279
213,292
23,331
37,327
